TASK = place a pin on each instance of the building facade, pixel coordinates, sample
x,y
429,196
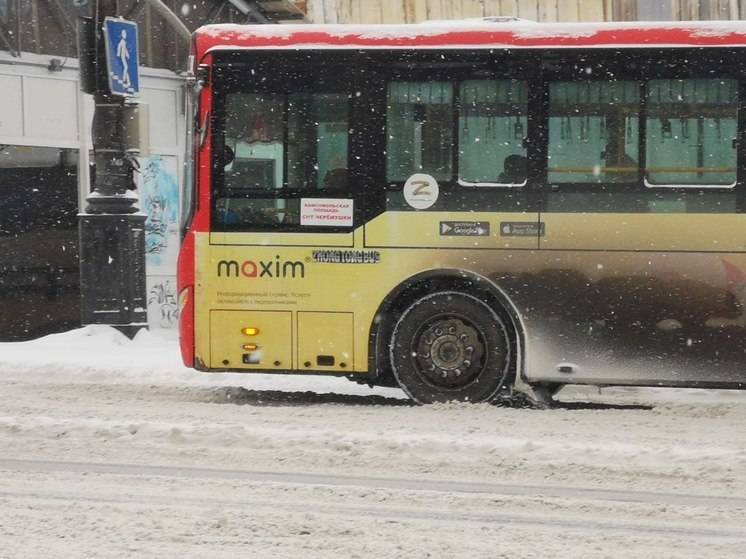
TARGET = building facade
x,y
46,153
414,11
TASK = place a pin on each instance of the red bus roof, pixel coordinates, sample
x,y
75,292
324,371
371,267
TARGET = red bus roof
x,y
472,34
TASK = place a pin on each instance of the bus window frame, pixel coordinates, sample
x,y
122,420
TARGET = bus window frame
x,y
643,65
190,196
517,185
716,62
737,139
538,67
228,66
456,66
621,184
526,142
409,78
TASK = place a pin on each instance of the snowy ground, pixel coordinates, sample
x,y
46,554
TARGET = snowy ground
x,y
110,448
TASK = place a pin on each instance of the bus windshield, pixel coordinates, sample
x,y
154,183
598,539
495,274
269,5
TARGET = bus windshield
x,y
274,147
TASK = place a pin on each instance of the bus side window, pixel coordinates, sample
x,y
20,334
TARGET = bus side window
x,y
594,132
318,128
253,132
690,131
492,125
419,130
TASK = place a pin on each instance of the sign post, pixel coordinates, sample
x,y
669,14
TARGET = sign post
x,y
112,229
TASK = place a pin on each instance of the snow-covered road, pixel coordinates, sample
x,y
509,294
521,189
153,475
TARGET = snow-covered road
x,y
109,448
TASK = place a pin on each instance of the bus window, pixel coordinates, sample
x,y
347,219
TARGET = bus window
x,y
492,125
275,143
317,141
419,125
690,131
594,132
253,138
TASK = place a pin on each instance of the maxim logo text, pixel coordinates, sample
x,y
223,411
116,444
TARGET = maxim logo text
x,y
262,269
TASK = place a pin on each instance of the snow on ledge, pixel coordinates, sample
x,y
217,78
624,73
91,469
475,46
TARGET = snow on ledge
x,y
520,31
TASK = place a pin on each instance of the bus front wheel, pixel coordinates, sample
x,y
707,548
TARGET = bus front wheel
x,y
450,346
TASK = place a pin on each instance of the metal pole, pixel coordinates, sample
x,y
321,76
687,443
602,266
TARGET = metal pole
x,y
171,18
84,159
112,230
113,172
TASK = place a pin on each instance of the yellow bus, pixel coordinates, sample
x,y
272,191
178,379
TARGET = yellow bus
x,y
471,209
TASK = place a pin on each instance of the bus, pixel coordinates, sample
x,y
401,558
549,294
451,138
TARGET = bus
x,y
468,210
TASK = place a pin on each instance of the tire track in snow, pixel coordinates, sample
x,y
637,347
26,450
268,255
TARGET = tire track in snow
x,y
409,484
388,513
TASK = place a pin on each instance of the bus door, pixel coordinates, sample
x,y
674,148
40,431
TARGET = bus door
x,y
282,202
643,232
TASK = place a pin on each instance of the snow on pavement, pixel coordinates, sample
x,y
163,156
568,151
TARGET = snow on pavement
x,y
92,396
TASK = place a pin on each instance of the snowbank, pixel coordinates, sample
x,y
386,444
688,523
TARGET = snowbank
x,y
103,355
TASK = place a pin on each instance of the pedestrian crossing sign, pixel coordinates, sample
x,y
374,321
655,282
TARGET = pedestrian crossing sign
x,y
122,56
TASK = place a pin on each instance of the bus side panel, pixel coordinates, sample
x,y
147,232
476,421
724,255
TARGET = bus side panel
x,y
307,313
592,316
608,317
185,289
637,318
203,285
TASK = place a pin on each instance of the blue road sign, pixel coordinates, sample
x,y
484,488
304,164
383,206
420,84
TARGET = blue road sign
x,y
122,56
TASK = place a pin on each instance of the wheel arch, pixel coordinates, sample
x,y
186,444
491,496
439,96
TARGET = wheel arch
x,y
429,281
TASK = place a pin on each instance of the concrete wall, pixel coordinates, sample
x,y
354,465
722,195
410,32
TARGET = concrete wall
x,y
46,109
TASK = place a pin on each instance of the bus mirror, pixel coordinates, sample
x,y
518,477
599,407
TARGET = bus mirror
x,y
203,75
228,156
202,130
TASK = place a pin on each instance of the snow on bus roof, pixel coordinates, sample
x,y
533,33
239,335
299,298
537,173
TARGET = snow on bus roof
x,y
473,33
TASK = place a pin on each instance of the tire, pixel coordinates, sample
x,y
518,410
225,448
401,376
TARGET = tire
x,y
450,346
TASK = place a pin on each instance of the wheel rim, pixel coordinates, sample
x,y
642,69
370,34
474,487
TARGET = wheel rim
x,y
449,351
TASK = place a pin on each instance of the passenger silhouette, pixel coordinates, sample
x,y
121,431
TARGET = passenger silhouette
x,y
514,170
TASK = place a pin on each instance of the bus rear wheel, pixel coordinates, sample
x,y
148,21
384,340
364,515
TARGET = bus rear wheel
x,y
450,346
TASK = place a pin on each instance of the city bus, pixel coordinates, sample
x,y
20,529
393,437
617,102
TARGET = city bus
x,y
468,210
